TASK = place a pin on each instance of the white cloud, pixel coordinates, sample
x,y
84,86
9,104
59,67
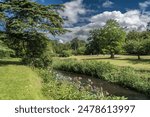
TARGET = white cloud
x,y
107,4
144,5
132,19
72,11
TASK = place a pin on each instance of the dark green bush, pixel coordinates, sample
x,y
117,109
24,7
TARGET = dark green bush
x,y
5,52
42,62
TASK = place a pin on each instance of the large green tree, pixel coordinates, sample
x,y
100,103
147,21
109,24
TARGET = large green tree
x,y
137,43
108,39
25,21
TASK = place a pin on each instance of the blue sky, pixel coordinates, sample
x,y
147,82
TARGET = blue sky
x,y
84,15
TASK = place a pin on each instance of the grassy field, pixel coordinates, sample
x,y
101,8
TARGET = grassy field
x,y
18,81
121,60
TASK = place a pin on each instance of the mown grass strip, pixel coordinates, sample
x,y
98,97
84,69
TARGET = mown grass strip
x,y
19,82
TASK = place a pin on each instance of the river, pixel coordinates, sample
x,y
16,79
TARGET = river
x,y
111,88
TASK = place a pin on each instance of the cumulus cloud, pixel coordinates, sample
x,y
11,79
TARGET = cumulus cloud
x,y
131,20
144,5
72,11
107,4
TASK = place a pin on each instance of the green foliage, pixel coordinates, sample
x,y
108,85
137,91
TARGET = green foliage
x,y
64,90
36,52
24,25
109,38
81,50
31,16
65,53
137,43
121,75
76,43
5,52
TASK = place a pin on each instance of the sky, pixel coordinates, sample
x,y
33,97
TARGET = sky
x,y
84,15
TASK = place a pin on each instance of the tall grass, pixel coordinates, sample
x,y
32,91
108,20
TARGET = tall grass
x,y
125,76
63,90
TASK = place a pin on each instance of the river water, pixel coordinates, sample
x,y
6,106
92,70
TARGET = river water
x,y
111,88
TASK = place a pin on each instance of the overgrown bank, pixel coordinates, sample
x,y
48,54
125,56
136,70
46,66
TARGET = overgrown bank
x,y
125,76
55,89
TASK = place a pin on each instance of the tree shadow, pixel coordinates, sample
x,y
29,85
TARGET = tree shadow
x,y
130,60
9,62
141,61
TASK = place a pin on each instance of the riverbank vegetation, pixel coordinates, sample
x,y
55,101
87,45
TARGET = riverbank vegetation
x,y
20,82
124,76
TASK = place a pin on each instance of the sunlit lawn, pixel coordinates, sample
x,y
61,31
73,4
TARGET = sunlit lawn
x,y
18,81
120,60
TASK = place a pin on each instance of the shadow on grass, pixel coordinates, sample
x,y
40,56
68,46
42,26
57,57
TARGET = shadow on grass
x,y
131,60
9,62
142,61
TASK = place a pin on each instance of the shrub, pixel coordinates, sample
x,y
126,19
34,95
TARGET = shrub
x,y
66,53
5,52
42,62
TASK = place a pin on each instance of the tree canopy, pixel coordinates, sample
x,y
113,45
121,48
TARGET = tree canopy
x,y
25,24
108,39
137,43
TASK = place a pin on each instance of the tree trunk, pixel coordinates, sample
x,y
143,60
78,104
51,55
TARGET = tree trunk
x,y
139,58
112,55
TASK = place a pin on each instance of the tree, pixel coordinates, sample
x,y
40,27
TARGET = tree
x,y
137,43
110,38
78,46
74,44
114,37
5,51
95,42
25,21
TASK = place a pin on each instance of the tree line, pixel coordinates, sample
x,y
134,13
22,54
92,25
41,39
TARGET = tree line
x,y
111,39
23,24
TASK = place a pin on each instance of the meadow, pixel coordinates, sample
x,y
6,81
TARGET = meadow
x,y
120,60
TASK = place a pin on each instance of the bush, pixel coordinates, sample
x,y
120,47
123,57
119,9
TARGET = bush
x,y
42,62
66,53
5,52
125,76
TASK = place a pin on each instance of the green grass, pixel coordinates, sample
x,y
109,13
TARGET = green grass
x,y
120,60
18,81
